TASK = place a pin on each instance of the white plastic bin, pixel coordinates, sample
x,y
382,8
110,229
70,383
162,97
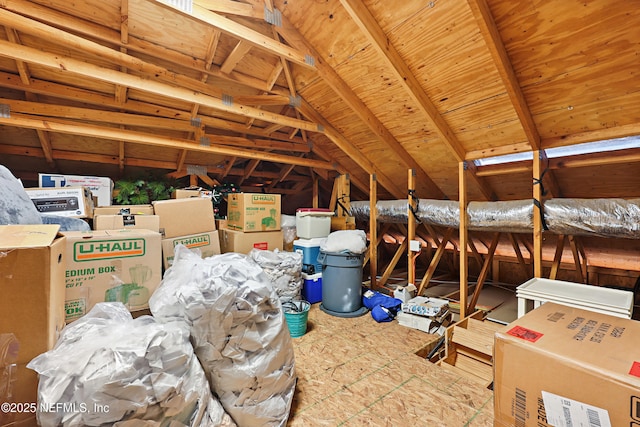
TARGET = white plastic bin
x,y
313,222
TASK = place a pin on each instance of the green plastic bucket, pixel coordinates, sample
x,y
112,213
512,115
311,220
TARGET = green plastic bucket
x,y
296,314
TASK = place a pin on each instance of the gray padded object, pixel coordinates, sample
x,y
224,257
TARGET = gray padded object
x,y
17,208
15,205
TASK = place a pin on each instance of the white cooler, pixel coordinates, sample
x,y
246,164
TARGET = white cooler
x,y
313,222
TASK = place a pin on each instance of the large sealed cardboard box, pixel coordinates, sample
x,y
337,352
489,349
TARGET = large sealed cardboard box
x,y
207,243
111,265
562,366
115,222
251,212
182,217
237,241
123,209
32,266
100,187
68,201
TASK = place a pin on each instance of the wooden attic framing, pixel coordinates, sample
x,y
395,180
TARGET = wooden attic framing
x,y
283,96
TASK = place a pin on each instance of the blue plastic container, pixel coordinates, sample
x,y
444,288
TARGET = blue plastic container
x,y
310,249
312,287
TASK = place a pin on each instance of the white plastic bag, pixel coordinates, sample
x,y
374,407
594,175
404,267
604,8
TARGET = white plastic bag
x,y
238,332
110,369
353,241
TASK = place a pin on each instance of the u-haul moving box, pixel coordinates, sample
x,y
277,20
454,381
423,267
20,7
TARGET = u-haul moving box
x,y
111,265
101,187
561,366
207,243
251,212
31,304
237,241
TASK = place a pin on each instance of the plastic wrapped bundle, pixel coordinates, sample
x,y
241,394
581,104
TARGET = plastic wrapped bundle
x,y
284,269
515,216
600,217
238,331
110,369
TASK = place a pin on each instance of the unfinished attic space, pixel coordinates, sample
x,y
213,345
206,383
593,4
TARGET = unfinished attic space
x,y
294,213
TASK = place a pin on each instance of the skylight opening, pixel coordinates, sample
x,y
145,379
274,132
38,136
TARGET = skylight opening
x,y
570,150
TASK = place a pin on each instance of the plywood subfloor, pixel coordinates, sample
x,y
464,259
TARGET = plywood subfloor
x,y
357,372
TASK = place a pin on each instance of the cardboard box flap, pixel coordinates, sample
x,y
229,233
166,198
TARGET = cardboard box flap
x,y
27,236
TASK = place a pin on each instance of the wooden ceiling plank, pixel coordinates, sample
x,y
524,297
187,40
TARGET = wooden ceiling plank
x,y
604,134
231,8
291,35
241,32
24,121
239,51
59,62
493,41
352,151
379,40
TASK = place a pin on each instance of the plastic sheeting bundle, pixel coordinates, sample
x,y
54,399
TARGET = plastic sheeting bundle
x,y
284,269
110,369
345,241
238,331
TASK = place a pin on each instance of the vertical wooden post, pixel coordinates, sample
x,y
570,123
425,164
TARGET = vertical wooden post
x,y
315,198
411,227
464,261
373,230
537,215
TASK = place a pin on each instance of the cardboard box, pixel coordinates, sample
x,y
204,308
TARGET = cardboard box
x,y
237,241
68,201
115,222
111,265
183,217
251,212
120,209
560,365
207,243
101,187
32,293
185,193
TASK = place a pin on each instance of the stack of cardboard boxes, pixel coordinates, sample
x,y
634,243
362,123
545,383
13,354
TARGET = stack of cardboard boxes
x,y
253,221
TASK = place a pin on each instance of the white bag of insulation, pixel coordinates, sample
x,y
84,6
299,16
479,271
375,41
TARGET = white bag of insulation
x,y
284,269
238,331
110,369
